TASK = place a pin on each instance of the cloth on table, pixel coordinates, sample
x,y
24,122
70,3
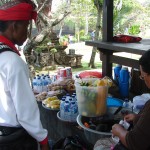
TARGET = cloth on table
x,y
104,144
126,39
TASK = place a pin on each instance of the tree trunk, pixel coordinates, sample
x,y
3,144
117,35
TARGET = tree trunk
x,y
61,28
98,28
86,24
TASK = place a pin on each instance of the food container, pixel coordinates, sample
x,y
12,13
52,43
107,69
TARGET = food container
x,y
91,100
93,135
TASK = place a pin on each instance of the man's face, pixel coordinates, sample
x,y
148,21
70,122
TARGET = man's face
x,y
20,32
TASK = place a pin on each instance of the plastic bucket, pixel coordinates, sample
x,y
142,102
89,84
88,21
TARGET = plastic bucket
x,y
91,100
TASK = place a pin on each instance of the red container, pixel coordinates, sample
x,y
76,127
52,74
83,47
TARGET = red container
x,y
58,70
63,73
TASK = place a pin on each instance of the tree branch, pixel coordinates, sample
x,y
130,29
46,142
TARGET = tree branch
x,y
57,21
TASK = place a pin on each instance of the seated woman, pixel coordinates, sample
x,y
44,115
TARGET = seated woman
x,y
139,137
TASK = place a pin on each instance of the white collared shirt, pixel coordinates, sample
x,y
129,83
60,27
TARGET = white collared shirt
x,y
18,106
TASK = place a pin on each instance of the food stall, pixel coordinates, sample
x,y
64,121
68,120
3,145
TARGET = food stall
x,y
92,101
49,101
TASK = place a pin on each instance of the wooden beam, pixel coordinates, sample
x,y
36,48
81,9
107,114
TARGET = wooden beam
x,y
106,64
107,31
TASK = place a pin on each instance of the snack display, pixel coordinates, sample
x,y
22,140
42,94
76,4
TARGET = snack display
x,y
51,102
41,96
66,84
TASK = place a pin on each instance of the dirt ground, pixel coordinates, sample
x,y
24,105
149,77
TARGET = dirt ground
x,y
81,48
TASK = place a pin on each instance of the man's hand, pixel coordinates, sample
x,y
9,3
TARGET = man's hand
x,y
45,147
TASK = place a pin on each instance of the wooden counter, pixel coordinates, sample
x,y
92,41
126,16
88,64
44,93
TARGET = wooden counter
x,y
107,49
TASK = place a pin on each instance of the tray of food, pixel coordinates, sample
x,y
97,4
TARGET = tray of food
x,y
51,103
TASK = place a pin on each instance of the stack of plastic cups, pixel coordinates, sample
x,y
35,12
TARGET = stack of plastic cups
x,y
117,73
124,82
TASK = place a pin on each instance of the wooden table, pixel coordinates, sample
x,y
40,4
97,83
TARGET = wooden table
x,y
107,49
58,129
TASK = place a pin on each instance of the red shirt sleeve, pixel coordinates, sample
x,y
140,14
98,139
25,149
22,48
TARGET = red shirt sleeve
x,y
45,141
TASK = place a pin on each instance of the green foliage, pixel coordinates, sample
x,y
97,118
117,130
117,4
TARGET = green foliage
x,y
85,67
82,33
126,14
134,30
43,45
53,50
63,39
40,48
74,40
85,37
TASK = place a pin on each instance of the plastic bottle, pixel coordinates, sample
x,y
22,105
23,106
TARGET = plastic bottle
x,y
74,99
67,97
42,76
126,103
75,96
73,111
70,100
39,85
124,82
66,111
117,73
34,84
44,85
37,76
62,108
64,97
48,80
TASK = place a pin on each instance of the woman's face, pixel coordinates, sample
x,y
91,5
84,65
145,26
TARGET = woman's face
x,y
20,32
146,77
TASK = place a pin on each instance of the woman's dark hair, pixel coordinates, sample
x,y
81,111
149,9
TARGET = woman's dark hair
x,y
144,62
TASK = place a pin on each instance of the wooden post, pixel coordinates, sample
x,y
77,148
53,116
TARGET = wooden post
x,y
107,31
106,64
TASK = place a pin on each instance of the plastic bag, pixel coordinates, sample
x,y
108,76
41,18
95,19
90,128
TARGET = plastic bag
x,y
70,143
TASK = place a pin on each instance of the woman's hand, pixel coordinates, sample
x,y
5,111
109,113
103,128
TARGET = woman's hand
x,y
117,129
129,117
45,147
